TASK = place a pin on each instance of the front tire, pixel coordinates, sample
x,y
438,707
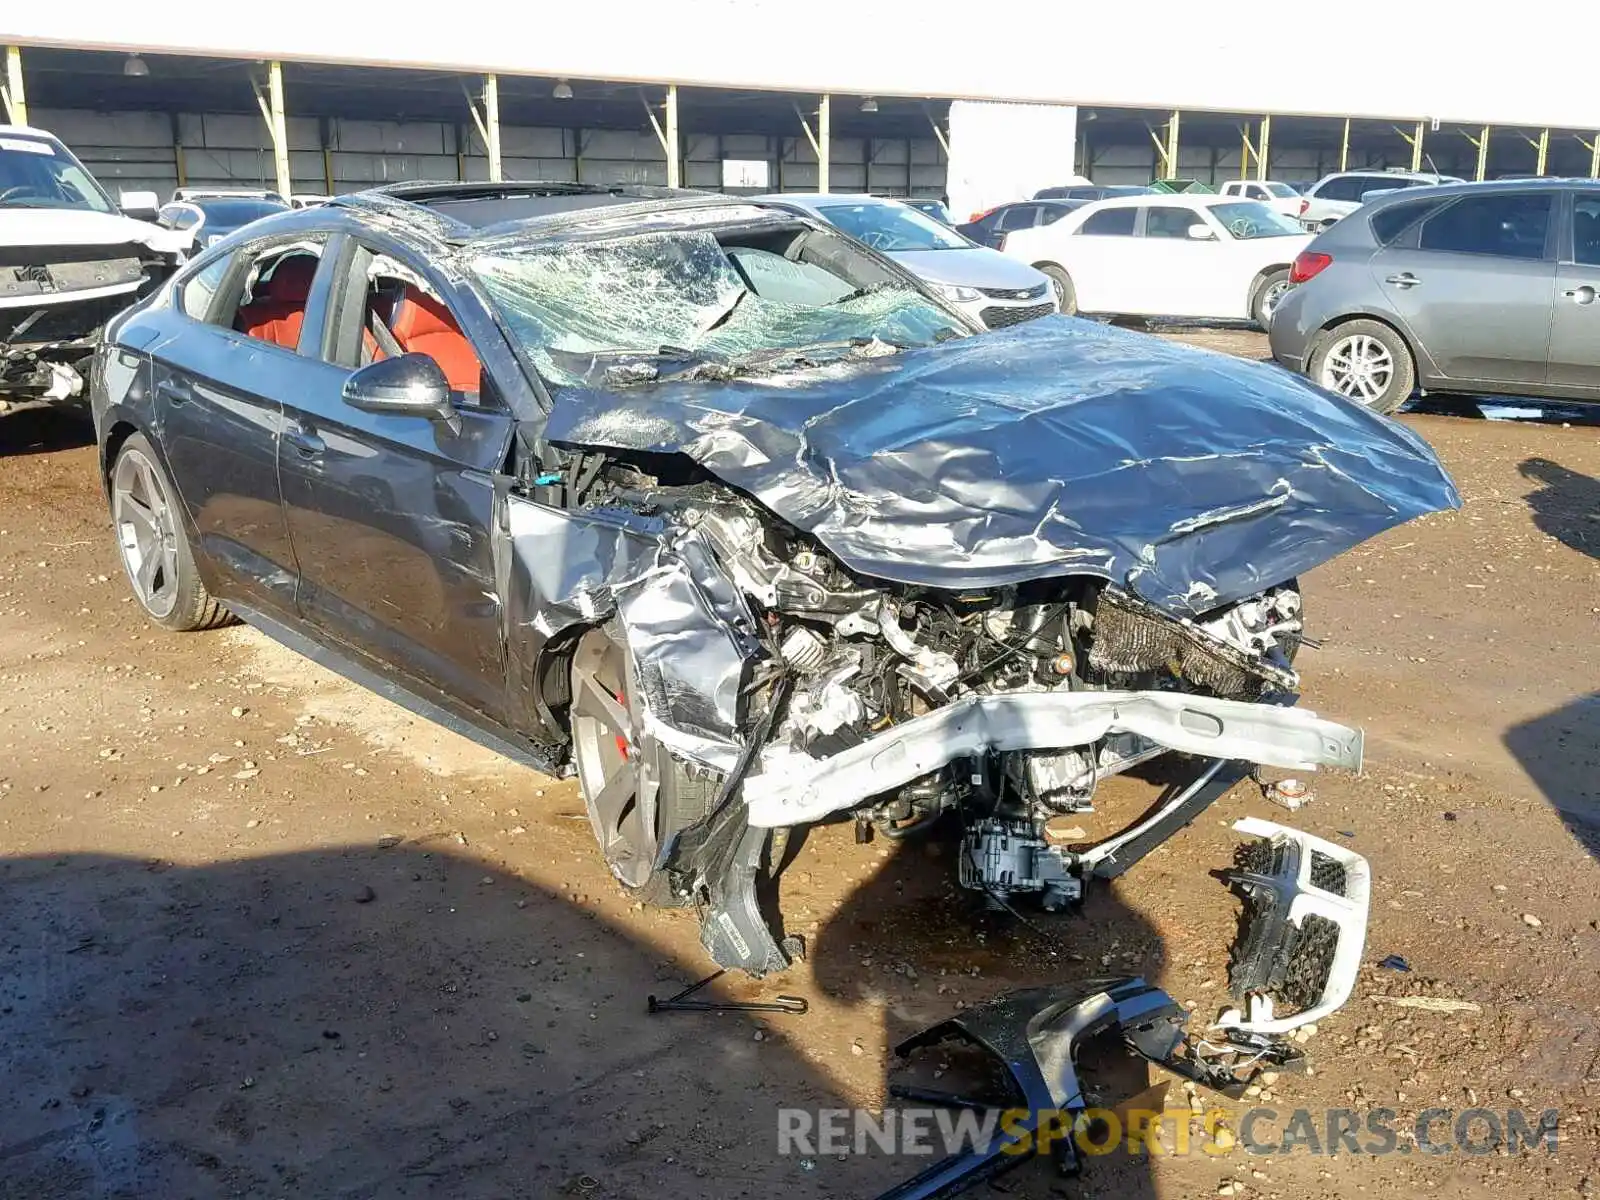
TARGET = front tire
x,y
1366,361
154,546
1269,290
1061,284
638,795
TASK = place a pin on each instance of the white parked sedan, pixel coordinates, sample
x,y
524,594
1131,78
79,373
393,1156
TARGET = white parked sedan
x,y
1167,256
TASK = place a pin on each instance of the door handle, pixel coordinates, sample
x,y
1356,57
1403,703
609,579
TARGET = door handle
x,y
1582,294
307,443
175,391
1403,280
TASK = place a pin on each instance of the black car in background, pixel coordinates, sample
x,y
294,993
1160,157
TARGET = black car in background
x,y
213,218
1089,191
991,228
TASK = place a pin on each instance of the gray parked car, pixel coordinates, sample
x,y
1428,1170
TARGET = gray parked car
x,y
1477,287
992,289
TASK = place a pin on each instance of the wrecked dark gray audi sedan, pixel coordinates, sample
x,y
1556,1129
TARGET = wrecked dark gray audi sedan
x,y
723,512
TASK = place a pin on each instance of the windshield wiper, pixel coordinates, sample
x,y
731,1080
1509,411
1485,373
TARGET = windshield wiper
x,y
721,318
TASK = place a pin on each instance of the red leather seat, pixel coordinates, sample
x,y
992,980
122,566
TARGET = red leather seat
x,y
422,325
277,314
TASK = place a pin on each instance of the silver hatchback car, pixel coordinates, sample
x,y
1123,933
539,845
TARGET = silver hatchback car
x,y
1478,288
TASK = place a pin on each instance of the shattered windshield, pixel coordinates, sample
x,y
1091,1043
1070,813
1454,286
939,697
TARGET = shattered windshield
x,y
35,173
582,309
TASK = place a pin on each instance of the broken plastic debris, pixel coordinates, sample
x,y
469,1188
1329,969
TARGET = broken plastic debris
x,y
1291,794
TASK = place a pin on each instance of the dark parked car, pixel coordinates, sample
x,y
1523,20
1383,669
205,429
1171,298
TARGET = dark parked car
x,y
937,209
991,228
724,512
1090,191
212,218
1474,287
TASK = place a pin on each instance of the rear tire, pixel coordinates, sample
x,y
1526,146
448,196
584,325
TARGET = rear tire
x,y
154,545
1269,290
1365,361
1061,282
638,795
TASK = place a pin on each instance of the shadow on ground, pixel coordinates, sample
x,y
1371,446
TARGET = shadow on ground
x,y
1560,751
1565,504
392,1023
44,430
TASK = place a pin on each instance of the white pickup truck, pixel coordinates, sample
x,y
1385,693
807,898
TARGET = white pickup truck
x,y
70,259
1279,197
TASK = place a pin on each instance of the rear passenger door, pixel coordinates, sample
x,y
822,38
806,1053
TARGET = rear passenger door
x,y
390,514
1575,324
218,380
1472,284
1098,255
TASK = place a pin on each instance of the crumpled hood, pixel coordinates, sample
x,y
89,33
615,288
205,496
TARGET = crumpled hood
x,y
1058,447
81,227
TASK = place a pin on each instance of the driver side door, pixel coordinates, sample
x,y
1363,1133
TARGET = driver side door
x,y
390,514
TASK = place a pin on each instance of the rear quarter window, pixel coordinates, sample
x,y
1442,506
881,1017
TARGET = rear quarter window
x,y
1389,223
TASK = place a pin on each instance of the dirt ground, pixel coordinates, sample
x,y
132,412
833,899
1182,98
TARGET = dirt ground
x,y
265,935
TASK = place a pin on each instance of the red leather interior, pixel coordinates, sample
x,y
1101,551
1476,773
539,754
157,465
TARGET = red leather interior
x,y
424,326
279,309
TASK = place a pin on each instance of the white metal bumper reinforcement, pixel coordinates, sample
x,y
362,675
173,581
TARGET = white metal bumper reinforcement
x,y
807,790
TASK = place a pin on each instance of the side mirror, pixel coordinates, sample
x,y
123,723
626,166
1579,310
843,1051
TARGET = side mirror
x,y
412,385
141,206
1201,232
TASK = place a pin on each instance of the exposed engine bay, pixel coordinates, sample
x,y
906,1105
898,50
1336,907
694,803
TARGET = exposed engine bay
x,y
1052,686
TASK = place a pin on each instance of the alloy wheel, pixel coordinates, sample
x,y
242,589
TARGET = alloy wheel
x,y
1270,299
615,759
147,532
1360,367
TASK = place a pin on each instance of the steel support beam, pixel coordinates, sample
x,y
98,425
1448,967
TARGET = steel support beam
x,y
667,135
12,93
674,158
1247,151
1541,145
1416,148
1594,153
1344,147
272,109
1481,145
824,140
1172,144
491,121
179,166
1266,147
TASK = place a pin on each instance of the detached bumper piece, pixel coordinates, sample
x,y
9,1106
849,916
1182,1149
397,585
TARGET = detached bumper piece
x,y
1303,930
1037,1033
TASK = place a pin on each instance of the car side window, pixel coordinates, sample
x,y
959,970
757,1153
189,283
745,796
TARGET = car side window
x,y
1169,221
1586,230
389,308
273,290
1109,222
1049,214
1389,223
1020,216
201,288
1505,225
